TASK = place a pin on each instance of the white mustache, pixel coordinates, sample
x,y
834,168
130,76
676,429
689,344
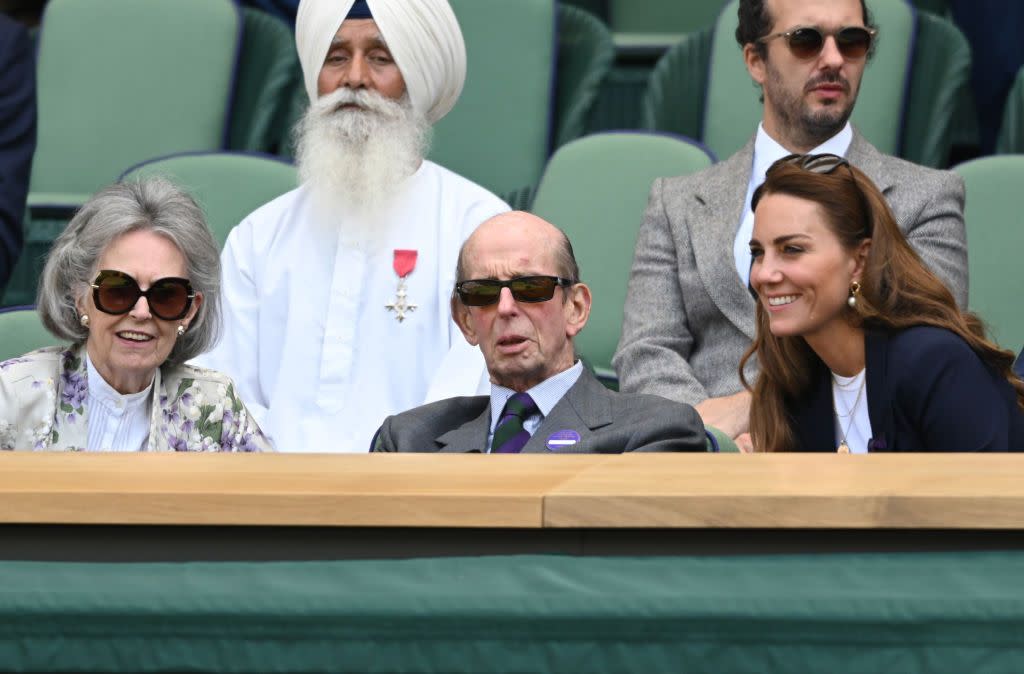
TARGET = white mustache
x,y
367,99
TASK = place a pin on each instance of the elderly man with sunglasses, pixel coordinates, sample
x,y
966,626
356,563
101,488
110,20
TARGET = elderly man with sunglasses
x,y
689,313
336,310
519,298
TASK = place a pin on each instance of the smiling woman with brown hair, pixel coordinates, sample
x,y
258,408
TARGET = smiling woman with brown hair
x,y
133,284
861,348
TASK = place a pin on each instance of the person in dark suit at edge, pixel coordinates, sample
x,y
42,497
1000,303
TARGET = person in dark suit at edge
x,y
17,137
519,298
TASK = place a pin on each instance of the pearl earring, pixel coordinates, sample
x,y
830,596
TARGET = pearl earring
x,y
854,291
181,330
84,320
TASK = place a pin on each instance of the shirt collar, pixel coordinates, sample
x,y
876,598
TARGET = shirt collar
x,y
546,394
767,150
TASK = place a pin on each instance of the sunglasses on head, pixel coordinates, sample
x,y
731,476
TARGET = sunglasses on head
x,y
114,292
480,293
806,42
816,163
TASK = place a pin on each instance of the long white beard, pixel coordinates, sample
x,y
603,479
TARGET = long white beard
x,y
355,160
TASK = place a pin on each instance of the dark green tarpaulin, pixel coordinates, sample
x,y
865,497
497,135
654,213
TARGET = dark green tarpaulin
x,y
960,612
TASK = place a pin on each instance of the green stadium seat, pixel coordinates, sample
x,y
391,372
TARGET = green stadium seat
x,y
995,239
228,186
121,81
701,87
499,133
585,54
939,91
1011,132
662,16
595,189
268,75
21,332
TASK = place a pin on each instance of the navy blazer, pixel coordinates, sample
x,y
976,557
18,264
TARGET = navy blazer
x,y
927,390
17,137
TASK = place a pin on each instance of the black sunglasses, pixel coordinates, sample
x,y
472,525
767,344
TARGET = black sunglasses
x,y
806,42
481,292
114,292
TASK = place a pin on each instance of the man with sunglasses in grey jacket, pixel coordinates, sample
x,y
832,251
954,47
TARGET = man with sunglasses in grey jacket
x,y
689,313
519,298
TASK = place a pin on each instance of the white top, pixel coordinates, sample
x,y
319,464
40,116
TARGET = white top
x,y
315,355
117,422
766,152
850,411
546,394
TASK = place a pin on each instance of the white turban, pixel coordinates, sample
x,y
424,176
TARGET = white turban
x,y
423,36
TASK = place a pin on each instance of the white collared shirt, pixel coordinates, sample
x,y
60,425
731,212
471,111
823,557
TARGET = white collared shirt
x,y
546,394
117,422
766,152
314,353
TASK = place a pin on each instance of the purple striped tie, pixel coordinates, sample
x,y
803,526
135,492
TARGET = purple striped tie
x,y
509,434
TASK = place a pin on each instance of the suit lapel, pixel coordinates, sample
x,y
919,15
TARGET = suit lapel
x,y
864,156
469,437
584,408
713,231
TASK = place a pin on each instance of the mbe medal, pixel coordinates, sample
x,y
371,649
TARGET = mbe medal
x,y
405,262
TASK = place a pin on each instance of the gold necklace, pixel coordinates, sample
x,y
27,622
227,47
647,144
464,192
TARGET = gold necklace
x,y
844,448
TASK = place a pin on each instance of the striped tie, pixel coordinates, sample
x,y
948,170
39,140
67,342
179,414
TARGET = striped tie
x,y
509,434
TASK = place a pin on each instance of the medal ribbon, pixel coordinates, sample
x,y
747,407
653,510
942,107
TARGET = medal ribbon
x,y
405,262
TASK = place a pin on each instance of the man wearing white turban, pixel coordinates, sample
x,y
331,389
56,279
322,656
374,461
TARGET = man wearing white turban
x,y
336,293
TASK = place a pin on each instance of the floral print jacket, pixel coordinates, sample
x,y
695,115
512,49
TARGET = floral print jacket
x,y
43,406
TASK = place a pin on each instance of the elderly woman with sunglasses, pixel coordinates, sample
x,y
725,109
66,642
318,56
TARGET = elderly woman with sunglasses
x,y
861,348
133,284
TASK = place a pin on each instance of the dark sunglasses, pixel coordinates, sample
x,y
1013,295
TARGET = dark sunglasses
x,y
806,42
114,292
480,293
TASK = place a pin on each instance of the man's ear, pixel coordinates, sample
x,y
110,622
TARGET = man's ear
x,y
755,62
577,309
460,314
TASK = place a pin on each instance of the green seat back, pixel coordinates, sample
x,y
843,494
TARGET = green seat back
x,y
1011,133
21,332
595,190
499,132
674,98
662,16
585,55
228,186
940,83
121,81
995,239
268,73
732,108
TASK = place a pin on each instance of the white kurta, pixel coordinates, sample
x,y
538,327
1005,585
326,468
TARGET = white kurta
x,y
314,353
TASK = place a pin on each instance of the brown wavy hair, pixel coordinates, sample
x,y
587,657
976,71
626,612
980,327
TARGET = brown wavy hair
x,y
897,292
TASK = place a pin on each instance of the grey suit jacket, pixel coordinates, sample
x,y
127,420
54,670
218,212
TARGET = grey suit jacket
x,y
606,422
688,316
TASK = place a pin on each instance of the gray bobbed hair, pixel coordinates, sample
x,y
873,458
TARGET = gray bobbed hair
x,y
153,204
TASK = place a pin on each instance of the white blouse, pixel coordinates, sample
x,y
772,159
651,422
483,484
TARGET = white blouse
x,y
850,401
117,422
